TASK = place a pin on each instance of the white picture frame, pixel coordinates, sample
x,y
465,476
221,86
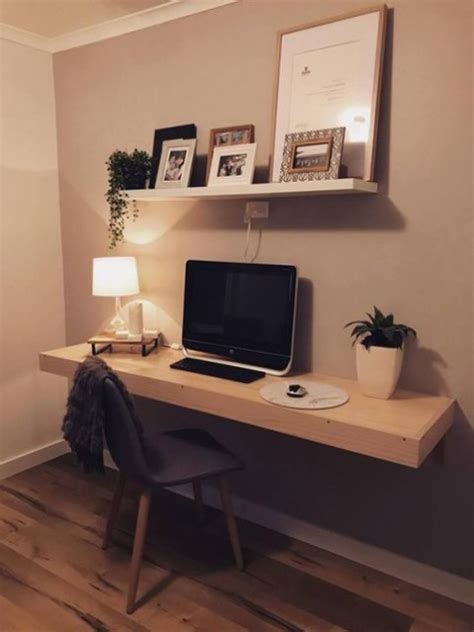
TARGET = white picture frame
x,y
176,163
329,75
232,164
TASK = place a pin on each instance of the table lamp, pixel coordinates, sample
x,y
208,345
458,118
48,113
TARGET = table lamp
x,y
115,276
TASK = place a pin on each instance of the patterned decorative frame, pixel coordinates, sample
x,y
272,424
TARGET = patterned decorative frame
x,y
332,135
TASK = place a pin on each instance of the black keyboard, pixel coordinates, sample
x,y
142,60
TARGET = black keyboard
x,y
214,369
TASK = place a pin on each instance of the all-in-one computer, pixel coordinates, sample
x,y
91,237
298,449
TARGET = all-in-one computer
x,y
238,320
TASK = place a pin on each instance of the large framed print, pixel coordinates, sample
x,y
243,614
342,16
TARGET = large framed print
x,y
329,75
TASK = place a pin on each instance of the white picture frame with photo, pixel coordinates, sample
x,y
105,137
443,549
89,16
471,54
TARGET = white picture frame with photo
x,y
232,164
176,163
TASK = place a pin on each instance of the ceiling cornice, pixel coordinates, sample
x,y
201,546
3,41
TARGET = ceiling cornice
x,y
173,10
26,38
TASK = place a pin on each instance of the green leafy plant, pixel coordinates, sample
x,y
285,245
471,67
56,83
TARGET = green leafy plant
x,y
380,331
125,171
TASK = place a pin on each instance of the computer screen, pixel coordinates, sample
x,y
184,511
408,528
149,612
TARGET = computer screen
x,y
240,311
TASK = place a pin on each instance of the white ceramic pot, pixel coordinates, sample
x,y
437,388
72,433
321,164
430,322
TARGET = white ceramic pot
x,y
378,370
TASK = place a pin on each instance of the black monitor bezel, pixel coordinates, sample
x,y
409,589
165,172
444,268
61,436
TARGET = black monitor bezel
x,y
279,360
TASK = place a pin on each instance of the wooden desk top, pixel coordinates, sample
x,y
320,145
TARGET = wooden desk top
x,y
403,429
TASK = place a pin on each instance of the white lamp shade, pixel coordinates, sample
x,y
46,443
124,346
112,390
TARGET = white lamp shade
x,y
114,276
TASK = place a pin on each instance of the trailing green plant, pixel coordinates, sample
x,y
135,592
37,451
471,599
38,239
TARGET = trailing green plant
x,y
380,331
125,171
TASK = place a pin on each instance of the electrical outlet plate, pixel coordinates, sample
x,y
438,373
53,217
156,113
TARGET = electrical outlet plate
x,y
256,210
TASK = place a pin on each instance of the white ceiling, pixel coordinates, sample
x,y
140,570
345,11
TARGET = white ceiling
x,y
56,25
51,18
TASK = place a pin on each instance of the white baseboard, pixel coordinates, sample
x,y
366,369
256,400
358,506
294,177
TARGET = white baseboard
x,y
25,461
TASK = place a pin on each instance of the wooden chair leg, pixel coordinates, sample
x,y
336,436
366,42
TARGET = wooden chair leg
x,y
197,490
138,544
231,523
114,509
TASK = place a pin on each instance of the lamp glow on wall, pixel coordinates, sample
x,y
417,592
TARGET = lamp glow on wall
x,y
117,277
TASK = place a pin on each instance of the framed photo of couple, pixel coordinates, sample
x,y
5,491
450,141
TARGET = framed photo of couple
x,y
163,134
232,164
176,162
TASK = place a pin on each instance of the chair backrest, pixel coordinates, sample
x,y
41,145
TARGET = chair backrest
x,y
121,434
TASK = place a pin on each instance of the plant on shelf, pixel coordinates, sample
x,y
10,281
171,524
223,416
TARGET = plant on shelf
x,y
125,171
379,352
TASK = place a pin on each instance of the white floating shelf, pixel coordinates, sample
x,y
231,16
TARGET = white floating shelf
x,y
256,191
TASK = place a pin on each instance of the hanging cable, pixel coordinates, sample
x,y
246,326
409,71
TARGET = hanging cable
x,y
257,248
251,259
247,241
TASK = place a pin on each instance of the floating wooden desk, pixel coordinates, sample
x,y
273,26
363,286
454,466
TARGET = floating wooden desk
x,y
404,429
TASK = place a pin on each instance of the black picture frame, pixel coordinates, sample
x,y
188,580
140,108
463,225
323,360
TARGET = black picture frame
x,y
168,133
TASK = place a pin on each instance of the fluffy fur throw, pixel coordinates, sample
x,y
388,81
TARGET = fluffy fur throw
x,y
84,422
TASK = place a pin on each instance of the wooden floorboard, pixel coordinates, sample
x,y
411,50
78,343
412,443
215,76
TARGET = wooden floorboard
x,y
358,579
53,603
55,576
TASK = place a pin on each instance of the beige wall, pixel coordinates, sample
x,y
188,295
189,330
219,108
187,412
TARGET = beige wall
x,y
31,268
408,249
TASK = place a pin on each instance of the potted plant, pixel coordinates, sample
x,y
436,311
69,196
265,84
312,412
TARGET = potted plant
x,y
379,352
125,171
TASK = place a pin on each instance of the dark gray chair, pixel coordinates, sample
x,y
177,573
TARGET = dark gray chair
x,y
162,460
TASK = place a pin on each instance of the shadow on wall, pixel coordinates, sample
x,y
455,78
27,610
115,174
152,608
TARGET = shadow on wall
x,y
356,213
352,212
303,344
422,370
382,162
